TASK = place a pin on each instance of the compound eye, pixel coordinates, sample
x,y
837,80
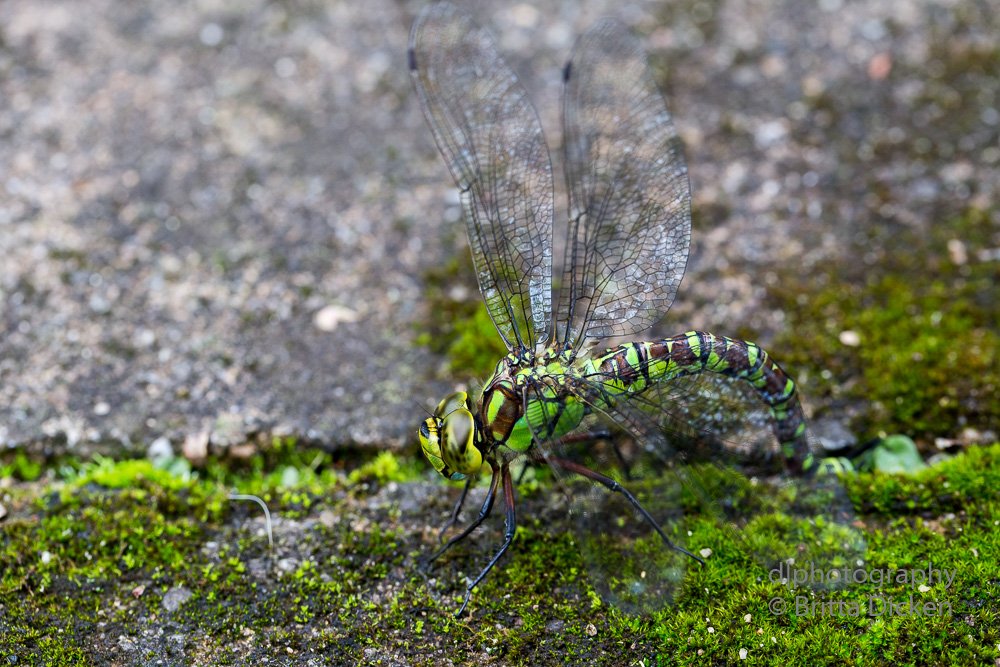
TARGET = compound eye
x,y
458,428
431,446
451,402
458,447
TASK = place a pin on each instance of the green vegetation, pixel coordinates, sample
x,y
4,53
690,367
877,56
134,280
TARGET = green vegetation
x,y
459,327
102,551
926,351
22,467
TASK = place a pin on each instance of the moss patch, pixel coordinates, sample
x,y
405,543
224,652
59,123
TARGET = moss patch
x,y
912,333
132,562
459,327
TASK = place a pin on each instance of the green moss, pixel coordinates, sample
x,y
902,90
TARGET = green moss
x,y
386,467
476,347
345,584
22,467
951,486
128,474
460,329
928,362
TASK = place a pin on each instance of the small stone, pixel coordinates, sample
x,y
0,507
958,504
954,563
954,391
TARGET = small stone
x,y
195,447
879,66
591,630
957,252
3,512
705,553
770,133
330,317
159,450
101,408
743,654
850,338
285,67
971,436
138,591
228,430
211,34
832,434
175,597
288,564
748,618
144,338
242,452
711,630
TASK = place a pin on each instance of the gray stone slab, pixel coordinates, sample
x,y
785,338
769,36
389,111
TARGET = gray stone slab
x,y
215,216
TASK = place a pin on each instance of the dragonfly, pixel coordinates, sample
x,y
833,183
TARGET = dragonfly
x,y
628,237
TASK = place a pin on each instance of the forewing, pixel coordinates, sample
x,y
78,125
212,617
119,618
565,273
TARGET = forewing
x,y
630,202
492,142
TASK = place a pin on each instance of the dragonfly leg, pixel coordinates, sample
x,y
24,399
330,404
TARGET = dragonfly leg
x,y
484,512
612,485
510,527
454,514
583,438
594,436
586,436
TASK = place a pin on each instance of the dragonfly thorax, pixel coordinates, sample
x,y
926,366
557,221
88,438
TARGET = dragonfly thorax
x,y
517,381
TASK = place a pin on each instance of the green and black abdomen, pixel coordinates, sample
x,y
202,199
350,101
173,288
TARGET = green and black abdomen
x,y
633,367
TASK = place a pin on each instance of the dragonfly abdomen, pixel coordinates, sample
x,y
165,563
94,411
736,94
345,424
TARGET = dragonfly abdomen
x,y
632,367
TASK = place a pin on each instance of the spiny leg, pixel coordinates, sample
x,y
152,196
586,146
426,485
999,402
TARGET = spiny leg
x,y
612,485
594,436
584,438
458,508
483,513
510,527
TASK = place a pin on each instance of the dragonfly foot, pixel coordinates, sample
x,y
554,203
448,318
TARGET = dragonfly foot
x,y
465,603
685,552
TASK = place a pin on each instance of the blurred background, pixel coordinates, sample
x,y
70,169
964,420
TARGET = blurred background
x,y
225,221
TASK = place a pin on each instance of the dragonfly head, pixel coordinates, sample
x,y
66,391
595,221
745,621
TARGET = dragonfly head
x,y
448,438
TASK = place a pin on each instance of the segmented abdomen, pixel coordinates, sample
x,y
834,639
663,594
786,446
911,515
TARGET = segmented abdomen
x,y
632,367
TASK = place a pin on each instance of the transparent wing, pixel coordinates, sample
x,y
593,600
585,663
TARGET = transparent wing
x,y
630,201
710,416
682,449
782,521
492,142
